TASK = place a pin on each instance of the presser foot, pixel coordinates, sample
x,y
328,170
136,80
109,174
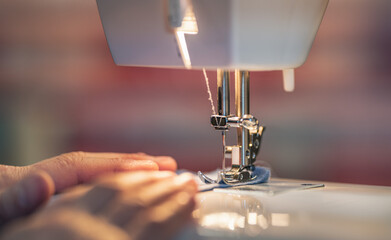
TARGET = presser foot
x,y
232,177
208,180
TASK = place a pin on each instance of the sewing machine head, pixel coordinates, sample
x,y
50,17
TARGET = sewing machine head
x,y
228,35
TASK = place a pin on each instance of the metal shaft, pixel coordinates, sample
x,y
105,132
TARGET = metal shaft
x,y
223,101
242,104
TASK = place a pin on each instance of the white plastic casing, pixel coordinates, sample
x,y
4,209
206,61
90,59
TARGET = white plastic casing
x,y
232,34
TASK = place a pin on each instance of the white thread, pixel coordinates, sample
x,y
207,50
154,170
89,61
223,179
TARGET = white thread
x,y
209,92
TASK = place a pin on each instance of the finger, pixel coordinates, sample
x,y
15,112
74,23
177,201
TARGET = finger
x,y
134,156
132,202
11,174
74,168
69,196
25,196
163,189
178,212
165,219
121,213
110,187
133,180
165,163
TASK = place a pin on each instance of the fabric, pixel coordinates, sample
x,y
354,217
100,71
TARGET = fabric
x,y
262,176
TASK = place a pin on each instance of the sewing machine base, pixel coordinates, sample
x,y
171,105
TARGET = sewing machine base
x,y
294,209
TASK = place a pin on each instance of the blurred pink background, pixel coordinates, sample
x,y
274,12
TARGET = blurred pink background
x,y
60,91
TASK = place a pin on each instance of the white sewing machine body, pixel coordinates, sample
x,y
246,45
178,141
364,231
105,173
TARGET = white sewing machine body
x,y
228,35
232,34
245,35
291,209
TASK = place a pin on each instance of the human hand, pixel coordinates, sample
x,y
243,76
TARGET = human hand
x,y
137,205
24,189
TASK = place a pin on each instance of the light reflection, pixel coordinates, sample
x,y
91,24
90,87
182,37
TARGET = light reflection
x,y
240,214
180,37
252,218
188,26
189,22
223,220
263,222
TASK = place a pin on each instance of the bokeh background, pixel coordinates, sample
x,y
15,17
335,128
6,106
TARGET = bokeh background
x,y
60,91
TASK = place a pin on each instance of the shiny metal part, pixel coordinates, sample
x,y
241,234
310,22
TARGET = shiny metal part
x,y
249,132
237,175
231,177
242,93
206,179
242,102
223,101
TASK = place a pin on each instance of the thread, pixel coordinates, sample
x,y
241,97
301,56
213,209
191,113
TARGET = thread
x,y
209,92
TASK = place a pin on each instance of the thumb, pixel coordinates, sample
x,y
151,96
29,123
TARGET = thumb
x,y
25,196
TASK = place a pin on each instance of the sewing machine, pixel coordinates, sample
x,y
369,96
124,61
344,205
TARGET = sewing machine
x,y
227,35
243,36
